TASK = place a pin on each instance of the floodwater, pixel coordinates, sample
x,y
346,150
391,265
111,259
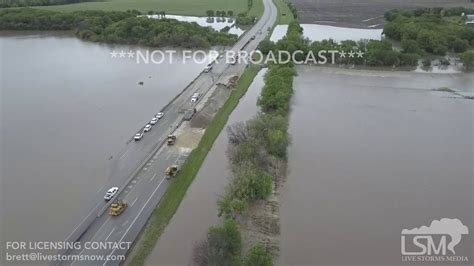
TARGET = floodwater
x,y
66,107
198,210
316,32
216,23
374,153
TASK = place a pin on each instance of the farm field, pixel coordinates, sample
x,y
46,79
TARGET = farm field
x,y
361,13
175,7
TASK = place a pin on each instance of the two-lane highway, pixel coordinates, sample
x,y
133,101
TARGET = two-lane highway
x,y
138,170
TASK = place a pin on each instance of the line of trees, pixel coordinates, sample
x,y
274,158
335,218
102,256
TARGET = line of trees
x,y
116,27
257,148
219,13
223,246
375,52
244,18
26,3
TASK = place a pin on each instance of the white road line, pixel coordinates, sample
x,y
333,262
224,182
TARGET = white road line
x,y
100,189
83,249
106,221
93,209
133,201
124,154
153,177
113,229
136,217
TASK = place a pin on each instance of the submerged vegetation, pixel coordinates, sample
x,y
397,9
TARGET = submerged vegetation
x,y
116,27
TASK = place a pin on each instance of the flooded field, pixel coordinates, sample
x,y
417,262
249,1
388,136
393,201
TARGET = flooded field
x,y
198,210
66,107
315,32
361,13
374,153
216,23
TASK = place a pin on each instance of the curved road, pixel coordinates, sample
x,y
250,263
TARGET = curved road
x,y
138,170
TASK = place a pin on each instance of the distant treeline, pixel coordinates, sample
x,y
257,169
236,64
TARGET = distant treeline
x,y
375,53
26,3
431,30
420,36
116,27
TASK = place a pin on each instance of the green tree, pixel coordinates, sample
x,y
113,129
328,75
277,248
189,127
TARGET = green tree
x,y
409,59
258,256
467,58
210,13
222,246
459,45
410,46
266,46
391,58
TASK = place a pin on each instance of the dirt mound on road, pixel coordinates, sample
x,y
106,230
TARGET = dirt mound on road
x,y
203,117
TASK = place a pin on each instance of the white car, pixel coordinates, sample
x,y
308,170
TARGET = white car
x,y
235,60
208,68
110,193
154,120
147,128
138,136
195,97
159,115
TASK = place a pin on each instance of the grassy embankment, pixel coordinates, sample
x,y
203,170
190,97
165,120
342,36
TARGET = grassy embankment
x,y
176,191
175,7
284,13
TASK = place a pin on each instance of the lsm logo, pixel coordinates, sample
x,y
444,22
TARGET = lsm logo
x,y
431,243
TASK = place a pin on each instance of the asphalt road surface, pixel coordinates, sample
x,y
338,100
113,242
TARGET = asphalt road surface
x,y
138,170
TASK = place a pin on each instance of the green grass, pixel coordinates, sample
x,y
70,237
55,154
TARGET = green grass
x,y
284,13
177,189
175,7
257,9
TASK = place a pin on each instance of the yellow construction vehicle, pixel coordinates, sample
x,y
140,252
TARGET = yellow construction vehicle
x,y
171,171
171,139
117,208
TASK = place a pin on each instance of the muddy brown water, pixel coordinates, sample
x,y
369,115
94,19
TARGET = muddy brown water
x,y
373,153
198,210
66,107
